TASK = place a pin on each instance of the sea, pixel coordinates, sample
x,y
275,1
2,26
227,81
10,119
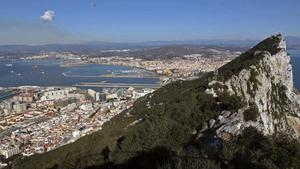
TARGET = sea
x,y
50,73
295,60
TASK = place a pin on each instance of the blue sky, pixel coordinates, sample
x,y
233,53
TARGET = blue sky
x,y
78,21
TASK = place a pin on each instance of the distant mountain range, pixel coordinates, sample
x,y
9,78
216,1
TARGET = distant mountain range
x,y
292,41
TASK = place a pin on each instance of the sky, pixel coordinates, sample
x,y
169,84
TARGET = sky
x,y
78,21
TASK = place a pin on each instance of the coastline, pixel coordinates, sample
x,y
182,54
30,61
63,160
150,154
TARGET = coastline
x,y
48,73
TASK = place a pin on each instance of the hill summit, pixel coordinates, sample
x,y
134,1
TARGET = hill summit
x,y
262,77
231,118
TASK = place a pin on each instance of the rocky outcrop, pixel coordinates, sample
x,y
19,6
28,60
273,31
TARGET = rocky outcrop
x,y
263,78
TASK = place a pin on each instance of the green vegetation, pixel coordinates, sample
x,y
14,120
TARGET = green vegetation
x,y
251,114
84,152
230,102
218,86
162,134
251,150
249,58
167,119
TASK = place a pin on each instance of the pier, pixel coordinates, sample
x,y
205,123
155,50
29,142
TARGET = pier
x,y
119,85
115,76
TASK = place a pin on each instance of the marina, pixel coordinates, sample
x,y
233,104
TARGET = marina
x,y
50,73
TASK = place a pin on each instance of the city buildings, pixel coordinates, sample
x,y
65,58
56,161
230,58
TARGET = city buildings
x,y
180,67
40,119
8,152
49,117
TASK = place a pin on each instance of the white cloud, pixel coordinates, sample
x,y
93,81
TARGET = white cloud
x,y
48,16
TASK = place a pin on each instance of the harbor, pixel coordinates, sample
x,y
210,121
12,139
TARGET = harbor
x,y
119,85
50,73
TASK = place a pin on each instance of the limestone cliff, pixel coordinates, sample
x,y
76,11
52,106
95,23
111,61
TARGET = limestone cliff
x,y
263,78
255,89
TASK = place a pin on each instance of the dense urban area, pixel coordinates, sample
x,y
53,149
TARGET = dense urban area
x,y
159,84
167,61
39,119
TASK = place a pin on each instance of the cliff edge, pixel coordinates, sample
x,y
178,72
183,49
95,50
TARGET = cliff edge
x,y
262,77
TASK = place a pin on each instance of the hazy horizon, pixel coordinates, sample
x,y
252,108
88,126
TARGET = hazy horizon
x,y
68,22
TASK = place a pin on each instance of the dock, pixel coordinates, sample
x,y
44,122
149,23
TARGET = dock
x,y
115,76
119,85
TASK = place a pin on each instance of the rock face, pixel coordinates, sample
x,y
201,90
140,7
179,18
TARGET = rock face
x,y
263,78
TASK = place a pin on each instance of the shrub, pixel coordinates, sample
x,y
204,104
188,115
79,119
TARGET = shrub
x,y
251,114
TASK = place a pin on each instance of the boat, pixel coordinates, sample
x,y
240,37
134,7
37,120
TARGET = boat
x,y
12,71
18,74
42,72
10,64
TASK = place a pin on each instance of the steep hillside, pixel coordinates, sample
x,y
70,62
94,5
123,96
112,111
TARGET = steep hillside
x,y
210,122
262,77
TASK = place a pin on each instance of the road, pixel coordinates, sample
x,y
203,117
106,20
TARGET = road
x,y
8,95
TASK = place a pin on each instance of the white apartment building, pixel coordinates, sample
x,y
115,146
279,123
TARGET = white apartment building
x,y
56,94
10,152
